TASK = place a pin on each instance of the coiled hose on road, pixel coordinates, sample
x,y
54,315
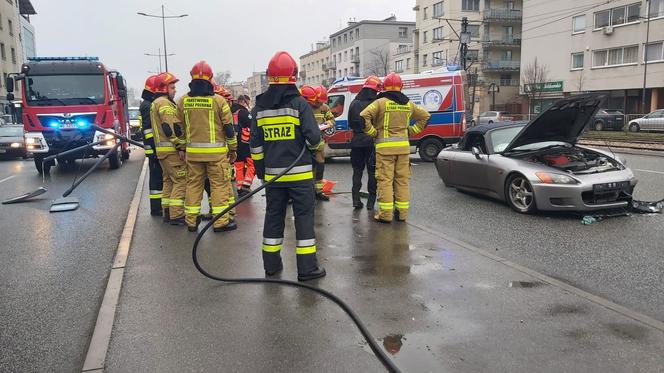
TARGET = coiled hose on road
x,y
378,351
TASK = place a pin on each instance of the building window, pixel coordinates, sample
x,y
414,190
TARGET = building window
x,y
345,56
615,56
351,35
425,14
654,52
438,33
403,32
408,63
437,59
473,55
398,66
339,40
656,8
617,16
577,61
13,51
345,38
346,72
470,5
474,31
351,70
507,55
424,37
357,34
0,21
3,54
334,43
579,23
424,59
438,9
10,24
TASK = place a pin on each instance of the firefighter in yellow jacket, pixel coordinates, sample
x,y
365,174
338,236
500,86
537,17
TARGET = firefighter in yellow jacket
x,y
170,146
325,120
210,144
387,120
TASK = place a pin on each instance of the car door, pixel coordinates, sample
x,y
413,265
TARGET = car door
x,y
468,171
655,121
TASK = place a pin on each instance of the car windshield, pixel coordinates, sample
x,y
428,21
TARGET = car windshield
x,y
11,132
133,114
500,138
47,90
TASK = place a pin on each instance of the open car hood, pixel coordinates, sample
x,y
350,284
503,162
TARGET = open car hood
x,y
564,121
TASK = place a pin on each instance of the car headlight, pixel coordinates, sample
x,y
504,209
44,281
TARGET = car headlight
x,y
30,140
15,145
551,178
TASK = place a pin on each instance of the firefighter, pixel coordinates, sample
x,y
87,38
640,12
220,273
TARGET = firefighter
x,y
362,151
244,165
282,124
155,181
228,185
211,145
387,120
325,120
169,142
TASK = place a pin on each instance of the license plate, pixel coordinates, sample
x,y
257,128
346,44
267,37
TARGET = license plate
x,y
611,187
68,125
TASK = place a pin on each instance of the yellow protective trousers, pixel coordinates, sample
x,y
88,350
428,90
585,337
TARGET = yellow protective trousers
x,y
393,185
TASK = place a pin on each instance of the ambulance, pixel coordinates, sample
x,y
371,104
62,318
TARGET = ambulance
x,y
442,92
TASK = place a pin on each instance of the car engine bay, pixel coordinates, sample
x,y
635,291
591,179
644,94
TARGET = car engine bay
x,y
576,160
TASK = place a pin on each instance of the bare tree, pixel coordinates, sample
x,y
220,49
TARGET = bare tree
x,y
579,82
222,78
380,62
535,75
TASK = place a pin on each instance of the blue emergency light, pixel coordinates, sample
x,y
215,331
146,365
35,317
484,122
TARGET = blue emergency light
x,y
37,59
54,124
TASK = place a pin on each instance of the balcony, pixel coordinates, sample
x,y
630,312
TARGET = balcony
x,y
501,65
503,15
355,59
402,51
332,65
501,42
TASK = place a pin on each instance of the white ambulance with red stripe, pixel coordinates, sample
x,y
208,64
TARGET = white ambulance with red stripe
x,y
443,93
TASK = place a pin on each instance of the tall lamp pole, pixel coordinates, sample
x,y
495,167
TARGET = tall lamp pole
x,y
159,55
163,17
645,59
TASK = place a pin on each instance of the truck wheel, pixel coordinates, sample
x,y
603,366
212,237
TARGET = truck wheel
x,y
599,125
429,149
115,160
43,167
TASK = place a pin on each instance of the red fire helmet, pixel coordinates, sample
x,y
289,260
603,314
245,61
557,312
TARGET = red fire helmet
x,y
151,83
309,93
163,81
282,69
392,82
202,70
373,82
321,91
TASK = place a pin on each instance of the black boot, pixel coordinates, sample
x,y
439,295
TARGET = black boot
x,y
178,221
307,267
322,197
194,228
167,216
207,216
371,201
272,263
231,226
357,202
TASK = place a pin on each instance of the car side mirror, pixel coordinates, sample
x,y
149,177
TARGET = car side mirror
x,y
476,152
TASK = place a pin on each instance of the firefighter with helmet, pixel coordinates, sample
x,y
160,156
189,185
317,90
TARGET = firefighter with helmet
x,y
387,120
169,140
282,124
155,182
244,166
211,146
326,123
228,185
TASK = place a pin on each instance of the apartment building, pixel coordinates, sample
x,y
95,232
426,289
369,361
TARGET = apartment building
x,y
12,13
237,88
588,46
256,84
369,47
494,51
313,65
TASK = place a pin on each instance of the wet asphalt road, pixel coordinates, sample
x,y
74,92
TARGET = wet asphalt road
x,y
620,259
54,267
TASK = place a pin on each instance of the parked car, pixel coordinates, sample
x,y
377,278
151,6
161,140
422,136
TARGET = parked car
x,y
537,165
11,141
650,122
605,119
135,124
489,117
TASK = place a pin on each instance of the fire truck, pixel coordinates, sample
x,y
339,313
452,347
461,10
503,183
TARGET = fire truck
x,y
442,92
62,99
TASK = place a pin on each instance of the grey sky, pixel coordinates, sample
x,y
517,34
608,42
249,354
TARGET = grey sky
x,y
239,36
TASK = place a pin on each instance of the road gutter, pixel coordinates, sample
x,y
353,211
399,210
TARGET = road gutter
x,y
101,336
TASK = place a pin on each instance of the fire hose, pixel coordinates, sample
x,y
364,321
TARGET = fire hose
x,y
375,347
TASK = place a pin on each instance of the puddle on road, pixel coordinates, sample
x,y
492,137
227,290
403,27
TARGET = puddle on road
x,y
413,353
524,284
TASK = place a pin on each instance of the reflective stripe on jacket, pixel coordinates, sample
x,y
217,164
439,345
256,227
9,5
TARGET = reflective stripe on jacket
x,y
204,119
167,129
389,123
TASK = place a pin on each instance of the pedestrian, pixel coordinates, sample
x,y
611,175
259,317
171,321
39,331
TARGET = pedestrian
x,y
326,122
282,125
211,147
155,181
244,165
169,142
388,121
362,150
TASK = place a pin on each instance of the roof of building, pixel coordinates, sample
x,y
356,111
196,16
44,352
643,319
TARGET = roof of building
x,y
25,7
387,21
315,51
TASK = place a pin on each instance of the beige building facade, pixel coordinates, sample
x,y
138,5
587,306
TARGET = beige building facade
x,y
494,49
599,48
256,84
313,66
11,48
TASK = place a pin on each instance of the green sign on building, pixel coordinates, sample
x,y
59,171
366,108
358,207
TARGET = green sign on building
x,y
556,86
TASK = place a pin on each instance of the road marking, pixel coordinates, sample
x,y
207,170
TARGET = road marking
x,y
647,320
101,336
7,178
636,169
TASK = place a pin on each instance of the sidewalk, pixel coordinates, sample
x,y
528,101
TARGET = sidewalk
x,y
435,305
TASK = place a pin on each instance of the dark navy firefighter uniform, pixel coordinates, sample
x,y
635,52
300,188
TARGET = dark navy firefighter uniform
x,y
155,181
283,123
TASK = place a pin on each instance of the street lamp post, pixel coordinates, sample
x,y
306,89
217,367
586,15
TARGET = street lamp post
x,y
159,55
163,17
645,59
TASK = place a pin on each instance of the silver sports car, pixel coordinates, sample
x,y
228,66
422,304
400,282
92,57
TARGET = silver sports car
x,y
537,165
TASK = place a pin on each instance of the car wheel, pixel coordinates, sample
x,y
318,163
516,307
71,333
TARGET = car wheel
x,y
429,149
520,194
43,167
599,126
490,122
634,127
